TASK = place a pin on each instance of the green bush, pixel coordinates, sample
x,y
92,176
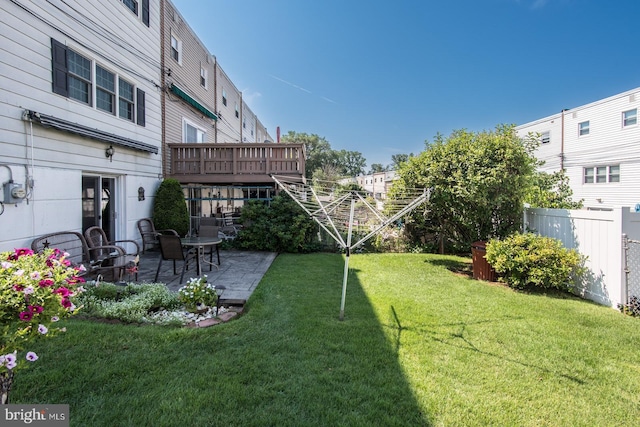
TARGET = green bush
x,y
170,208
282,226
529,260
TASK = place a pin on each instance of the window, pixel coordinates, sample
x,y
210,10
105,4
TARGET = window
x,y
203,77
125,100
614,173
192,133
132,5
629,118
74,76
176,49
588,175
237,111
79,77
602,174
224,97
244,123
545,137
583,128
105,90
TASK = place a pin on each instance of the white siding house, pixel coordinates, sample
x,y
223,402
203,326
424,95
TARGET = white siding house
x,y
80,116
598,145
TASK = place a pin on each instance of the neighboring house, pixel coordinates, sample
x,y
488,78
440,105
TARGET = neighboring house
x,y
597,145
80,116
212,142
378,184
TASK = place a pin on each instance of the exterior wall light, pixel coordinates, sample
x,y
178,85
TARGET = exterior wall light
x,y
109,153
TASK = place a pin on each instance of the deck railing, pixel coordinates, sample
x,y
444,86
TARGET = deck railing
x,y
240,162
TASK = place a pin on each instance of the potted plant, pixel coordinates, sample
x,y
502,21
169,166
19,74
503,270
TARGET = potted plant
x,y
197,295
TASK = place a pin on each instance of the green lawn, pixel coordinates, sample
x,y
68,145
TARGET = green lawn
x,y
420,345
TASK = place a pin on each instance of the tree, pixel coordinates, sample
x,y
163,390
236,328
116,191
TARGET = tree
x,y
317,150
351,163
398,159
551,190
170,209
377,167
478,184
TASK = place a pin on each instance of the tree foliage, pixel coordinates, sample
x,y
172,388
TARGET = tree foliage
x,y
323,161
478,183
377,167
398,159
170,208
551,190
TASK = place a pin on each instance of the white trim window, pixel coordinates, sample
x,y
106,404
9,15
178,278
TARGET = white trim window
x,y
192,133
176,49
583,128
601,174
545,137
224,97
142,13
629,118
203,77
81,78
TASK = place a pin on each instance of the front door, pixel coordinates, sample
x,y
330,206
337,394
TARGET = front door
x,y
98,204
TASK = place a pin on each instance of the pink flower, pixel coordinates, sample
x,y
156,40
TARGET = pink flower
x,y
64,292
55,318
35,275
36,309
42,329
26,316
9,360
18,288
28,290
6,264
23,251
45,283
66,302
31,356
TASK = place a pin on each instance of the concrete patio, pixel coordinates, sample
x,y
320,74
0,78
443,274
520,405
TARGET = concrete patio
x,y
239,272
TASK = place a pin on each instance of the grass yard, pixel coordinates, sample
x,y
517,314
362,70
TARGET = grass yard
x,y
420,345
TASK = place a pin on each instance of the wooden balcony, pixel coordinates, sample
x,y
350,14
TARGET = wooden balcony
x,y
239,163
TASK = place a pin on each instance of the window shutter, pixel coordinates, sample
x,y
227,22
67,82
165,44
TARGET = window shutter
x,y
59,68
145,12
140,107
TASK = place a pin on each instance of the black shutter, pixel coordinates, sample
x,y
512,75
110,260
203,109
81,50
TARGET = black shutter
x,y
145,12
59,68
140,107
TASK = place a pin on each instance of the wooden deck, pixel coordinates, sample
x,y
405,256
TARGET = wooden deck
x,y
246,163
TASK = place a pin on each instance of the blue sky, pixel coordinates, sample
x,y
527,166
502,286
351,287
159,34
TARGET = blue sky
x,y
381,77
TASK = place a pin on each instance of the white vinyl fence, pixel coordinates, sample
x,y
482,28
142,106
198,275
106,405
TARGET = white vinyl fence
x,y
602,237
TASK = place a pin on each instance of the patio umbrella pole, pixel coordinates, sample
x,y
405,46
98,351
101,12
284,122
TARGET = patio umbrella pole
x,y
346,261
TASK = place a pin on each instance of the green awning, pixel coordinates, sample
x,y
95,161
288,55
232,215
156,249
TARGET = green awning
x,y
195,104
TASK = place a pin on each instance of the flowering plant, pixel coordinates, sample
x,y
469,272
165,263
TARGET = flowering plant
x,y
198,294
35,292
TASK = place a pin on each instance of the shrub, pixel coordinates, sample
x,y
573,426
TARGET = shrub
x,y
281,227
529,260
170,209
131,303
631,309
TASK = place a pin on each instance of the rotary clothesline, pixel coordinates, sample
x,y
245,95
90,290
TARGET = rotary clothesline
x,y
337,210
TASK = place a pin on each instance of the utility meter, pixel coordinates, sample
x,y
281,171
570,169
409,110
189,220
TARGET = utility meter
x,y
13,193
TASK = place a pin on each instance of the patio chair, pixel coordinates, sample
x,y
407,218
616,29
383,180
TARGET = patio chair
x,y
97,239
171,250
149,233
229,230
75,245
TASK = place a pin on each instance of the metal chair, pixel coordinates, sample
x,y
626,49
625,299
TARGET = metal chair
x,y
97,239
79,253
211,231
149,233
171,249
